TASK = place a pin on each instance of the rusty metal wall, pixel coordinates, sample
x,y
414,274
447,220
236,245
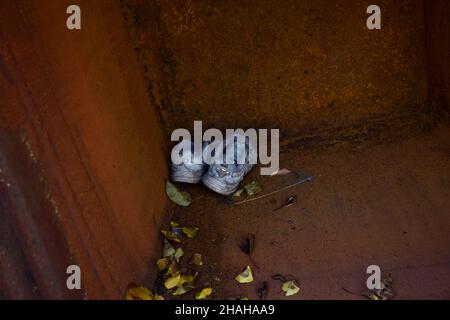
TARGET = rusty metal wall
x,y
301,66
34,253
79,97
437,15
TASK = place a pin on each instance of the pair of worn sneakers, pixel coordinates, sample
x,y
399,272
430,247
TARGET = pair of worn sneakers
x,y
223,176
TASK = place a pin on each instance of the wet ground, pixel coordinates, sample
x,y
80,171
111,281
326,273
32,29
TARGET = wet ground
x,y
386,205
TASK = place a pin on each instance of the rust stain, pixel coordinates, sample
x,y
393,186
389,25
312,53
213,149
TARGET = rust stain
x,y
297,66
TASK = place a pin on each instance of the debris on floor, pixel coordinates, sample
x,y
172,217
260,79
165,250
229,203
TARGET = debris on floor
x,y
250,189
245,276
283,172
196,259
289,286
191,233
135,292
173,278
177,279
171,236
173,281
181,198
202,294
289,202
385,293
254,187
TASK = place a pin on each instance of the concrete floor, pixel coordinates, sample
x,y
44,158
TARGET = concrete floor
x,y
387,205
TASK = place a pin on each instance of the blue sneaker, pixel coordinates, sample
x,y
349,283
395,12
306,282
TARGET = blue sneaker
x,y
225,178
187,171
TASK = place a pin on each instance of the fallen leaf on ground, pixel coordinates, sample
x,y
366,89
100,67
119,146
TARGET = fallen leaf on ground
x,y
178,254
162,263
289,285
176,229
173,268
171,236
196,259
187,279
135,292
173,281
289,202
253,188
182,290
385,293
191,233
245,276
290,288
238,193
202,294
168,249
372,296
181,198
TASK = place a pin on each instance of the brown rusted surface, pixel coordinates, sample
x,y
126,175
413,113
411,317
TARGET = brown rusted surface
x,y
387,205
437,17
297,65
95,106
33,248
80,98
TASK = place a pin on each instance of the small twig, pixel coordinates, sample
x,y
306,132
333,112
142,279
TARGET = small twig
x,y
285,278
351,292
304,180
253,262
289,202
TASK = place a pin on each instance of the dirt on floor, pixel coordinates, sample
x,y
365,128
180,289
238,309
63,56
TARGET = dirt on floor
x,y
386,205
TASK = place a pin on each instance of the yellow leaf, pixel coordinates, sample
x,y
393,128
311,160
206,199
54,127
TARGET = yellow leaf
x,y
290,288
178,254
181,198
181,290
173,281
245,276
168,250
190,232
163,263
197,259
173,268
203,293
253,188
176,229
187,280
135,292
171,236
